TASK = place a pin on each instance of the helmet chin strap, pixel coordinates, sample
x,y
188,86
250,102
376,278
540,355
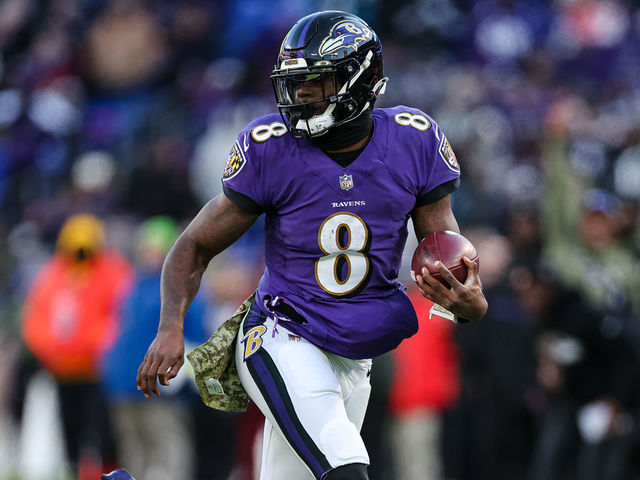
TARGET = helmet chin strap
x,y
325,120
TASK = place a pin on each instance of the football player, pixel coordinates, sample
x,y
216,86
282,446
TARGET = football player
x,y
337,181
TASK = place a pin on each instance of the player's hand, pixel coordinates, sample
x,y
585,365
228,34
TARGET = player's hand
x,y
466,300
162,361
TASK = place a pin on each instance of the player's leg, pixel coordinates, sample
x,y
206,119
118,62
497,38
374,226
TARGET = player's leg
x,y
354,377
355,385
353,471
295,386
279,460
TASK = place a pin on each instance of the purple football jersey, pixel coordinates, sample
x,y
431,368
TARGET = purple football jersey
x,y
334,236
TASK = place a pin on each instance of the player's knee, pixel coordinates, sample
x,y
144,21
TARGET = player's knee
x,y
341,443
353,471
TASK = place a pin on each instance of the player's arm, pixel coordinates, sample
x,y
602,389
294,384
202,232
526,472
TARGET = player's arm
x,y
465,300
220,223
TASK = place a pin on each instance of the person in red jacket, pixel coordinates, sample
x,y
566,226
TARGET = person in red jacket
x,y
70,319
425,383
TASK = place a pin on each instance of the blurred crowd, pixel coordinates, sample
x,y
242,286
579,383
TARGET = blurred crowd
x,y
116,118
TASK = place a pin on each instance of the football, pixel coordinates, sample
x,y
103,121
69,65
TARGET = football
x,y
448,247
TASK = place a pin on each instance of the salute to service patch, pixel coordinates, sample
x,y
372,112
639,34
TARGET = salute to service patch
x,y
235,162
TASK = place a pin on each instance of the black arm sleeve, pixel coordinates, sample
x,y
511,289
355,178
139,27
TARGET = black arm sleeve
x,y
439,192
242,201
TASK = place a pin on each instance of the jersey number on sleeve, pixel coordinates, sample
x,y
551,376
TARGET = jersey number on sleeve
x,y
415,120
343,237
262,133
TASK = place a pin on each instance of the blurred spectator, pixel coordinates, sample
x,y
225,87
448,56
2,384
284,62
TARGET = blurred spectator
x,y
154,440
229,281
488,433
425,383
589,322
582,237
70,320
125,47
158,185
588,368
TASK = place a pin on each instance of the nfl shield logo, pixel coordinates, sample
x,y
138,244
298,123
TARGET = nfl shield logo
x,y
346,182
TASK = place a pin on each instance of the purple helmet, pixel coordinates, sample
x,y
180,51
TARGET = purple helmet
x,y
119,474
335,49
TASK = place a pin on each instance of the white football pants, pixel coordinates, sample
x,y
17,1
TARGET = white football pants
x,y
313,401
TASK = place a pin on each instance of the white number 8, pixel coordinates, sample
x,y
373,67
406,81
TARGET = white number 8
x,y
415,120
357,236
262,133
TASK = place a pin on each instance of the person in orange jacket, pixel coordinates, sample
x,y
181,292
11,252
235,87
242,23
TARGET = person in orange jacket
x,y
70,319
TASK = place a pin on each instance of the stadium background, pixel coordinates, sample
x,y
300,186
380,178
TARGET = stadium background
x,y
127,109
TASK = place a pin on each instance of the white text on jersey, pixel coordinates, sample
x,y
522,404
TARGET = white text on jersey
x,y
352,203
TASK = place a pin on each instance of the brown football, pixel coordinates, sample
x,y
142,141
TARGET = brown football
x,y
448,247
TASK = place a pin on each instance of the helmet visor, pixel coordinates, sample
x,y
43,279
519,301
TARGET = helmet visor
x,y
304,87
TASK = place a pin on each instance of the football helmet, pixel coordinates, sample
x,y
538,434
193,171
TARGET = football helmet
x,y
338,57
119,474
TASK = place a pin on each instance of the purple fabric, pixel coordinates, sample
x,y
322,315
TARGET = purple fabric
x,y
300,189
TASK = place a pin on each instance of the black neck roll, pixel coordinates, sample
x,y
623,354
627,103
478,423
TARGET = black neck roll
x,y
347,134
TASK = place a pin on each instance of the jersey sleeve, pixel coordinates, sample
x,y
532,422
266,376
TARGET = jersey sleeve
x,y
438,171
242,179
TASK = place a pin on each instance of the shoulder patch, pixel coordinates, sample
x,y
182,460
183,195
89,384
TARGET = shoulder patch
x,y
235,162
446,152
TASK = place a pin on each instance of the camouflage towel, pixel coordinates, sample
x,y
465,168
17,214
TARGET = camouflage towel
x,y
215,367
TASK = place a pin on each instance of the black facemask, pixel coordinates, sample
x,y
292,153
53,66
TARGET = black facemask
x,y
346,134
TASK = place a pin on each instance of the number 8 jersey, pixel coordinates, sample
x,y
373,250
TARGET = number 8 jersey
x,y
334,236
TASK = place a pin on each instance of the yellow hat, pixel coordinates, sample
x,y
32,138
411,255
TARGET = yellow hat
x,y
81,232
